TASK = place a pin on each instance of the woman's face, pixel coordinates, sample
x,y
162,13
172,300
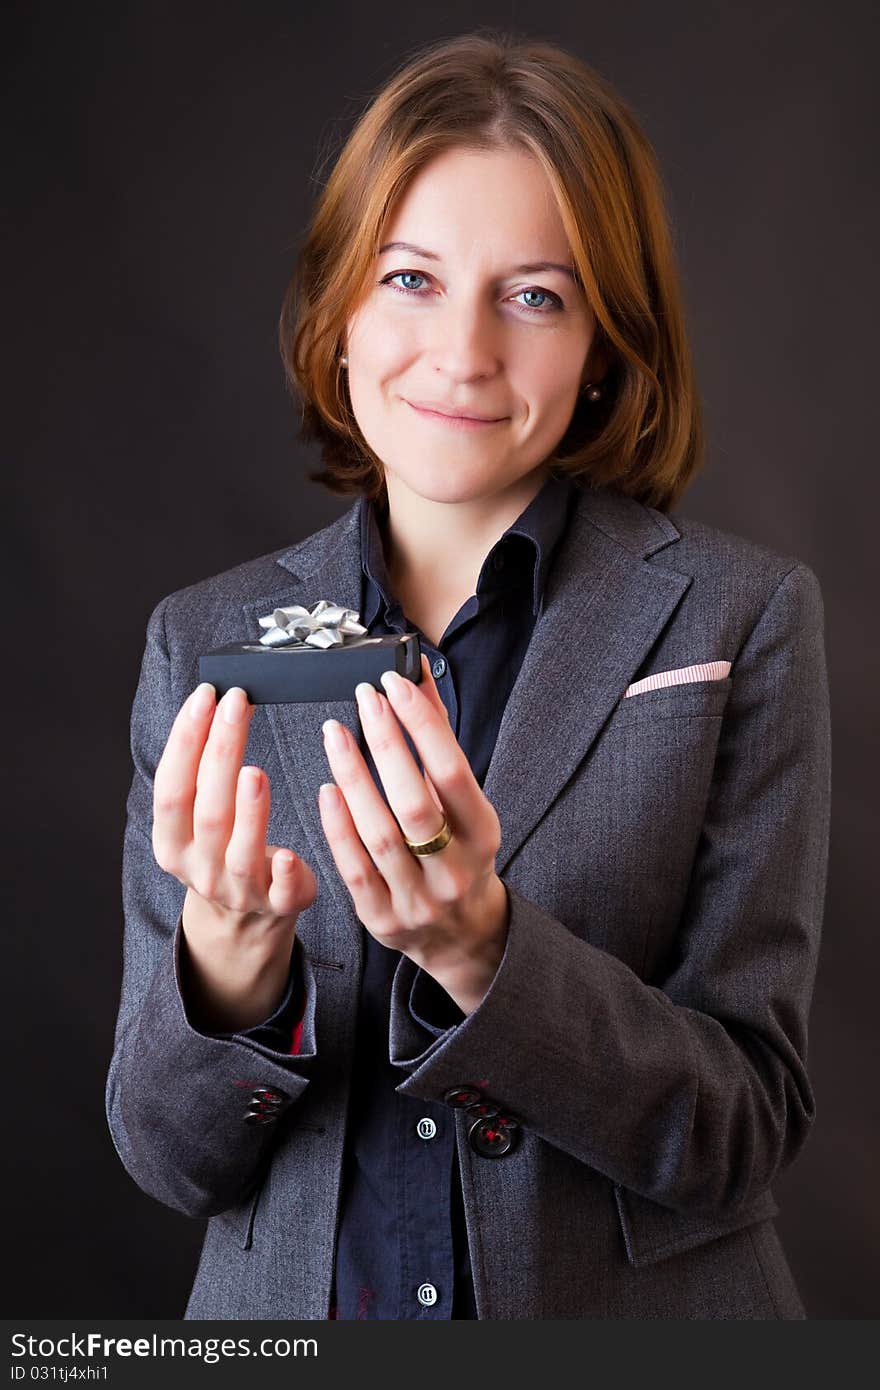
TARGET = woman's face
x,y
469,323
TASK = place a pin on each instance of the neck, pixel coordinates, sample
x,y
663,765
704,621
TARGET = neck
x,y
434,551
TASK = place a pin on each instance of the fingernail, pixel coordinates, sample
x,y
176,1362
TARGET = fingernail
x,y
396,686
335,735
234,705
368,700
201,700
253,781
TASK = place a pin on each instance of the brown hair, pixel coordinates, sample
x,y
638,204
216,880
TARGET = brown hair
x,y
485,90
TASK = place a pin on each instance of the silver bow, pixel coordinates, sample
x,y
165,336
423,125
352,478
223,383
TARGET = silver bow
x,y
327,625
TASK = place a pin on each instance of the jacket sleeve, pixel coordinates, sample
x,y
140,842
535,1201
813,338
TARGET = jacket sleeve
x,y
178,1100
691,1091
430,1006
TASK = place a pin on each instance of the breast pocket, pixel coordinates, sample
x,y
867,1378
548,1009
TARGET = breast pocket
x,y
693,700
623,834
656,755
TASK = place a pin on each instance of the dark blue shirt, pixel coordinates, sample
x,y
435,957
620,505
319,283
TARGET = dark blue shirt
x,y
402,1226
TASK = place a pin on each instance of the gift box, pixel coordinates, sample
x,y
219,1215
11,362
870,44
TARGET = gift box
x,y
306,656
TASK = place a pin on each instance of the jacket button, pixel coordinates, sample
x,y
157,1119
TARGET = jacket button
x,y
270,1093
462,1096
482,1110
492,1138
259,1117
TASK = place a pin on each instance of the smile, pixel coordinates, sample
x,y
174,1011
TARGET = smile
x,y
459,422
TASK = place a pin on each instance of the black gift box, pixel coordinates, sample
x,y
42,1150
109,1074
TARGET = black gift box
x,y
300,673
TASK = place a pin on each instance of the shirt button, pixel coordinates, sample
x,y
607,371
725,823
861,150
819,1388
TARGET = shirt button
x,y
439,667
427,1295
426,1129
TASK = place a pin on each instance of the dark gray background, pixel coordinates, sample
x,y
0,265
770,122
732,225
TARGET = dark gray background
x,y
163,160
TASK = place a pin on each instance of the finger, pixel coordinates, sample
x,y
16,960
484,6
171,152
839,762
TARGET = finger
x,y
429,687
174,782
214,805
246,850
411,803
368,889
433,791
442,757
373,822
293,886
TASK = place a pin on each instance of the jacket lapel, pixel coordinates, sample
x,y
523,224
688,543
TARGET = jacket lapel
x,y
604,609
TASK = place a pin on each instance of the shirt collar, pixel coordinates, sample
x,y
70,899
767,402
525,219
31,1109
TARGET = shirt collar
x,y
542,523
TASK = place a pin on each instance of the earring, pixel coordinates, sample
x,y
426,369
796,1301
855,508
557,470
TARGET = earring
x,y
344,361
593,392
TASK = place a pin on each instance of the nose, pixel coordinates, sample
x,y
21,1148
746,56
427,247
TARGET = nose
x,y
465,342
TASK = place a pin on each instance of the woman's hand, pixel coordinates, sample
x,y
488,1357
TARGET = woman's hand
x,y
210,817
447,911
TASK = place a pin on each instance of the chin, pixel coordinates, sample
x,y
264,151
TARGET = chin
x,y
446,483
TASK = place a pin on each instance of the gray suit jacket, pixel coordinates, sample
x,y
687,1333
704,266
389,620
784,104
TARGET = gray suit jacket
x,y
665,858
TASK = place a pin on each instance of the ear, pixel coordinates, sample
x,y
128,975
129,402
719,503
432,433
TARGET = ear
x,y
598,361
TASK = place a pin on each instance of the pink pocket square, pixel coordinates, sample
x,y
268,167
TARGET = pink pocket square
x,y
706,671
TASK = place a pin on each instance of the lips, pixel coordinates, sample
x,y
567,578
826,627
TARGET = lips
x,y
454,412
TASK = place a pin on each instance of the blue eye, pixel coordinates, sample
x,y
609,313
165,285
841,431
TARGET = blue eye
x,y
553,302
399,275
534,291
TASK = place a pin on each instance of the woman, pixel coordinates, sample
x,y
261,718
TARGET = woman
x,y
496,1007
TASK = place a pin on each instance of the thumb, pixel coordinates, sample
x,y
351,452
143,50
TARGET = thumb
x,y
298,880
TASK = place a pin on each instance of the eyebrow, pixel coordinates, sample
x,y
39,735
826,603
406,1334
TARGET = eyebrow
x,y
531,269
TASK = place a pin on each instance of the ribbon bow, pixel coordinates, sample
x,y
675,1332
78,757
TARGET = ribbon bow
x,y
327,625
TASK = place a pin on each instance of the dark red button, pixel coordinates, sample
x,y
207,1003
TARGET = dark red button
x,y
462,1096
490,1139
482,1110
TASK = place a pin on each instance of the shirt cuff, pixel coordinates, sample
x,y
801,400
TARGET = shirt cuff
x,y
431,1006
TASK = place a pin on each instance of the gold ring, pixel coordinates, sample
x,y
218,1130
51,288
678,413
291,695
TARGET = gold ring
x,y
443,836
